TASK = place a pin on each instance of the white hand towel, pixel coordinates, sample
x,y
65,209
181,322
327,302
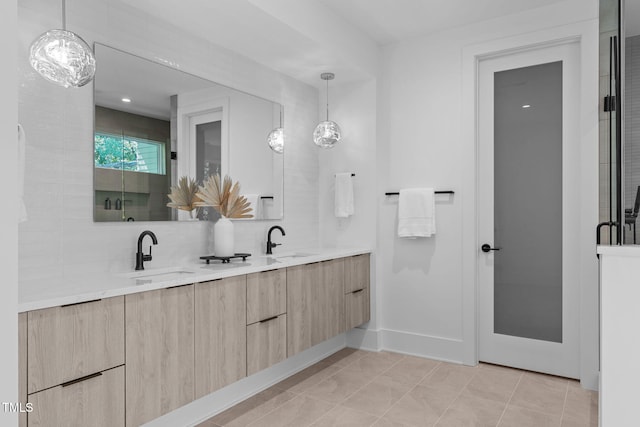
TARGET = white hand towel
x,y
344,195
254,202
416,213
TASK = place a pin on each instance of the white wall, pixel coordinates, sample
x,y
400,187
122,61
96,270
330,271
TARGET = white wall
x,y
9,216
426,285
60,239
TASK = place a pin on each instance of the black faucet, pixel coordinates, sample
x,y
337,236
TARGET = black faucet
x,y
141,257
270,244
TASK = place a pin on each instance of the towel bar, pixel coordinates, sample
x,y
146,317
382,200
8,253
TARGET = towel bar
x,y
436,192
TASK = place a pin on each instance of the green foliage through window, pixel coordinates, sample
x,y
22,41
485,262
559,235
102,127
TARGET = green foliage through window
x,y
129,153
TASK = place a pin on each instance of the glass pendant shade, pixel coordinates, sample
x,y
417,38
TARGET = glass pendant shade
x,y
63,58
327,134
276,140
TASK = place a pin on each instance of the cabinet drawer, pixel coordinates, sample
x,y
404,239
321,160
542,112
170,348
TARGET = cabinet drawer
x,y
357,308
95,401
69,342
356,273
266,343
266,295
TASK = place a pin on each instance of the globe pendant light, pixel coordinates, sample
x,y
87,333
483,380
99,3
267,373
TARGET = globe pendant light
x,y
327,133
62,57
276,138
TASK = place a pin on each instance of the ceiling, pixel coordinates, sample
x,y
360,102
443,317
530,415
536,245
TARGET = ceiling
x,y
302,38
389,21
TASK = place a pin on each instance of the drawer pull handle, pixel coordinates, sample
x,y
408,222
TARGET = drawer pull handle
x,y
358,291
268,319
179,286
78,303
88,377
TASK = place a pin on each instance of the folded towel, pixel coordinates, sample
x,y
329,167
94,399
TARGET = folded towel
x,y
344,195
416,213
254,202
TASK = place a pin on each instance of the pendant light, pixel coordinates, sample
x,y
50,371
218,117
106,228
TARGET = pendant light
x,y
276,138
327,133
62,57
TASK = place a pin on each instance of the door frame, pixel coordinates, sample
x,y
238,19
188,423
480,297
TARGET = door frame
x,y
560,358
586,35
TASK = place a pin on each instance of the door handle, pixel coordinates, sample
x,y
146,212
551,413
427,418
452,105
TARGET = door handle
x,y
487,247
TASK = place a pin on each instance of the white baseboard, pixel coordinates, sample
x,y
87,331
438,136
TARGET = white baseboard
x,y
212,404
438,348
364,339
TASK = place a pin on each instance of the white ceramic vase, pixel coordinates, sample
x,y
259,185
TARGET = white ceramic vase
x,y
223,238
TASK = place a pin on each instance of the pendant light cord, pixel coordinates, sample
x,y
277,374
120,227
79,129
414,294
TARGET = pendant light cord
x,y
64,15
327,99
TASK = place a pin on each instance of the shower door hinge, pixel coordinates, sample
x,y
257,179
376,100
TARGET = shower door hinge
x,y
609,103
174,154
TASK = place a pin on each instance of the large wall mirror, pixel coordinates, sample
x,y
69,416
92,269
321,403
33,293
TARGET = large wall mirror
x,y
154,124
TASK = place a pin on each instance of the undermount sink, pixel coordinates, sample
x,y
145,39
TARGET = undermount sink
x,y
159,274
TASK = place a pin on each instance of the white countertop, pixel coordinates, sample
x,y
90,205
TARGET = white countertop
x,y
38,295
619,250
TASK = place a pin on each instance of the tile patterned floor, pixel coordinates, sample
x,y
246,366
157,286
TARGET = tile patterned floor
x,y
359,388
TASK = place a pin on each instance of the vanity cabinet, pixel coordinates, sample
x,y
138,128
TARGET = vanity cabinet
x,y
357,291
129,359
220,334
71,364
22,367
98,400
160,352
71,341
266,319
315,304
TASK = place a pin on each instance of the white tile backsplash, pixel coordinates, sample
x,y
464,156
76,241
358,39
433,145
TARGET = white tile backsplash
x,y
60,238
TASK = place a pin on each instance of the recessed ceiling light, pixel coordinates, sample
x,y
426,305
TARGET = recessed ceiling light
x,y
526,106
127,100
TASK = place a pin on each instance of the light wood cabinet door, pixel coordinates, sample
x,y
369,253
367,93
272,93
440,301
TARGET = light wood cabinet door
x,y
221,333
330,307
160,352
22,366
97,401
266,343
315,304
69,342
266,295
301,298
357,309
356,273
357,291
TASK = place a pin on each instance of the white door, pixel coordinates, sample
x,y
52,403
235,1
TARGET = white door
x,y
206,145
528,196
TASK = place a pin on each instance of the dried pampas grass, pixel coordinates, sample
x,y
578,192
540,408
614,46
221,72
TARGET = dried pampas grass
x,y
184,195
224,197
